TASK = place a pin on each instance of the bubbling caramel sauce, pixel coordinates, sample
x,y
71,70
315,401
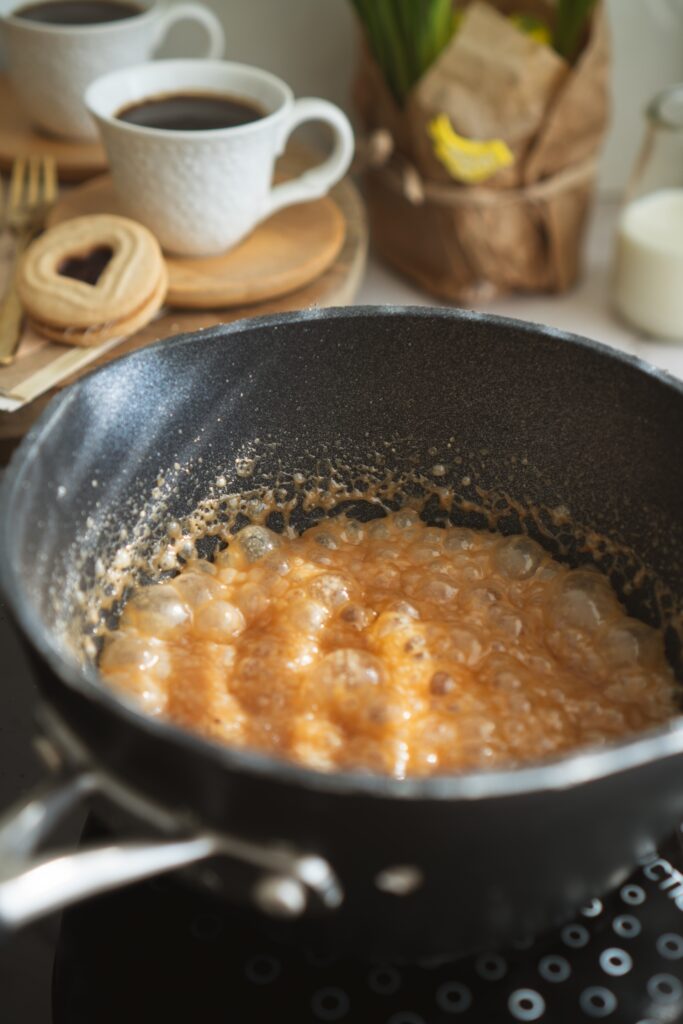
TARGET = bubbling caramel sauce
x,y
392,647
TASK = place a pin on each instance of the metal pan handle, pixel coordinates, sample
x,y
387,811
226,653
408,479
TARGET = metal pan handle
x,y
32,885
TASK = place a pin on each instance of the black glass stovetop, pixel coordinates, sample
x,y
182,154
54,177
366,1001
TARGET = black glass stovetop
x,y
159,952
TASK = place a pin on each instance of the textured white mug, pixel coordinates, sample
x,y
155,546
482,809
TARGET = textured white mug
x,y
200,192
51,65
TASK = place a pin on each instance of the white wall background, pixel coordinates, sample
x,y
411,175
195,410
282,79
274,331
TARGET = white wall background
x,y
311,44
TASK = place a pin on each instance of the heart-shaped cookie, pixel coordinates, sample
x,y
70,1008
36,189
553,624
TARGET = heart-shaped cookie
x,y
88,279
87,268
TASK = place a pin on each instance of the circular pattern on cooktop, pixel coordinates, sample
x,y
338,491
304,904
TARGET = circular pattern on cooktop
x,y
160,951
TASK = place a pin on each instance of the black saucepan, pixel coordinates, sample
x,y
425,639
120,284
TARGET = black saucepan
x,y
525,422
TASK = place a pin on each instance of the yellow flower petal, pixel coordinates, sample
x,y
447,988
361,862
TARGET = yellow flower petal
x,y
533,27
470,161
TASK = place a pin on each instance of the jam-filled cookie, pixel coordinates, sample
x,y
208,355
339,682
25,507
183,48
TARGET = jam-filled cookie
x,y
91,279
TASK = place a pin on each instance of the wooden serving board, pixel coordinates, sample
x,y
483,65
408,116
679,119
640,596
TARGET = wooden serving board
x,y
285,252
337,286
75,160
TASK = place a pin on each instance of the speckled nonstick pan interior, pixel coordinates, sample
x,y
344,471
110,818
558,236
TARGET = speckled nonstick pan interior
x,y
535,430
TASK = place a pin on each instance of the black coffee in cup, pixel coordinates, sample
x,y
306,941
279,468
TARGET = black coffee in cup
x,y
77,12
191,112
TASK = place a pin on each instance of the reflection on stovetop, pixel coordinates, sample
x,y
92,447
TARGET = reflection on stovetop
x,y
162,952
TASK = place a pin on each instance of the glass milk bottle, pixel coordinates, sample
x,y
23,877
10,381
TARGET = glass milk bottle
x,y
648,286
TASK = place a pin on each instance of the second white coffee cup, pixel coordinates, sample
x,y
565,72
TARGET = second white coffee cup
x,y
201,192
51,64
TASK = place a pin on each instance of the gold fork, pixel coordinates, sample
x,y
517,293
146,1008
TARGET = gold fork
x,y
32,190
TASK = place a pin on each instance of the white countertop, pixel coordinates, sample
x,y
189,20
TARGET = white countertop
x,y
585,310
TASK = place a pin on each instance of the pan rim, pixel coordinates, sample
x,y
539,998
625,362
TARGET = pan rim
x,y
560,773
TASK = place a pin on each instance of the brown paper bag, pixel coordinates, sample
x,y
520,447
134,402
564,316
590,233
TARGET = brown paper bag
x,y
523,229
494,82
577,120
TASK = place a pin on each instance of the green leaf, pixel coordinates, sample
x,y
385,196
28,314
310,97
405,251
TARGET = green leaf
x,y
572,17
406,37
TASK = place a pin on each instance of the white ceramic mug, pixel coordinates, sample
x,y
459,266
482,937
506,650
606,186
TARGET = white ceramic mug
x,y
51,65
200,192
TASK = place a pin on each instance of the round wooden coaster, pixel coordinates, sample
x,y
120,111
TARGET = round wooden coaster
x,y
75,160
285,252
337,286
